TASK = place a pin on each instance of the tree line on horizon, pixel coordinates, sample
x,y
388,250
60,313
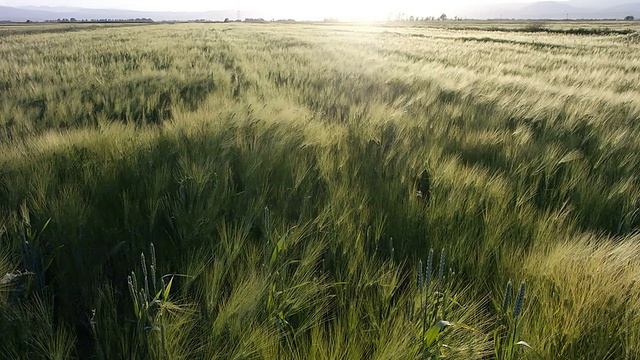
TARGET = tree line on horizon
x,y
74,20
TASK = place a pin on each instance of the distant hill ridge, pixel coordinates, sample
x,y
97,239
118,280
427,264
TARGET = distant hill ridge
x,y
572,9
575,9
53,13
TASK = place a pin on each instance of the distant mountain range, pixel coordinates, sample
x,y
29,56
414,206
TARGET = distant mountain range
x,y
52,13
572,9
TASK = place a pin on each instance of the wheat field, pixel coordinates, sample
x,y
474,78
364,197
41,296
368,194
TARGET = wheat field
x,y
273,191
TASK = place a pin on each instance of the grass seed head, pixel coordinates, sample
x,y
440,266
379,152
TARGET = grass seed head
x,y
519,301
441,270
429,270
507,296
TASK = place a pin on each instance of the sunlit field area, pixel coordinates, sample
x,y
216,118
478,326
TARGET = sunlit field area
x,y
320,191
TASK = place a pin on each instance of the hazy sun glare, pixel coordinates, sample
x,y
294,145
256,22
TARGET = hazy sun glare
x,y
353,10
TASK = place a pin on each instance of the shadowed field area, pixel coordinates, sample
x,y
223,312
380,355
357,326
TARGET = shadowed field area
x,y
273,191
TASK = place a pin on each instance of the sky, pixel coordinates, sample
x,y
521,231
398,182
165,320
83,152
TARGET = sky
x,y
299,9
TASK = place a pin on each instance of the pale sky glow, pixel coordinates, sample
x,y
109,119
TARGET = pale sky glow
x,y
300,9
